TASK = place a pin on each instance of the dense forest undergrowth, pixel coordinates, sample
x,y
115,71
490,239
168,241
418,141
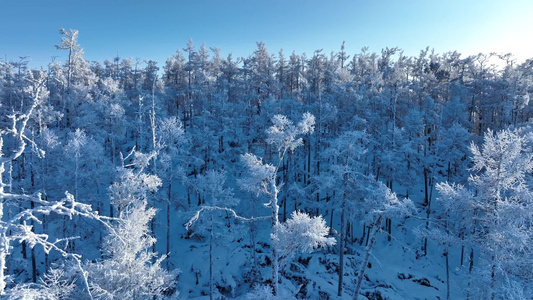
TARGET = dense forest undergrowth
x,y
319,176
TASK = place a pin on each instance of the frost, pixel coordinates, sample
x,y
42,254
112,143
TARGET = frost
x,y
301,234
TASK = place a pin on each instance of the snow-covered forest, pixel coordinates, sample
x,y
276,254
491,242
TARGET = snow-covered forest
x,y
273,176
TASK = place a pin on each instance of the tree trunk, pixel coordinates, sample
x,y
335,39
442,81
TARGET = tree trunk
x,y
471,260
331,221
492,280
389,229
211,261
4,241
462,254
168,234
33,263
428,212
169,198
352,239
275,222
446,254
285,209
360,276
368,234
364,235
33,266
341,249
348,235
188,197
252,240
152,228
426,188
3,256
308,160
69,69
449,171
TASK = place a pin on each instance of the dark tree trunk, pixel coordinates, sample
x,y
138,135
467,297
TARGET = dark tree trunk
x,y
446,255
364,235
389,230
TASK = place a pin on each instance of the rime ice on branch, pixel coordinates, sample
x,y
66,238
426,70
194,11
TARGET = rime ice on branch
x,y
16,228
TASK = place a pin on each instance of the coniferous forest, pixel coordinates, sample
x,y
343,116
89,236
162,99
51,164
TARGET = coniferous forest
x,y
272,176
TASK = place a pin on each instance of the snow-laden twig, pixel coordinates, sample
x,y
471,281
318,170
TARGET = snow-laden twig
x,y
42,239
377,260
123,159
403,245
196,216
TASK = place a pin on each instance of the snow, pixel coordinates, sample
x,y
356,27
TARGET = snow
x,y
238,173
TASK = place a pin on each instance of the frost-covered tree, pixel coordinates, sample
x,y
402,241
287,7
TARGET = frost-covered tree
x,y
418,114
497,217
175,79
262,75
75,144
170,135
86,171
452,148
69,41
211,187
110,107
344,155
456,200
79,77
301,233
130,270
54,285
18,227
262,178
377,204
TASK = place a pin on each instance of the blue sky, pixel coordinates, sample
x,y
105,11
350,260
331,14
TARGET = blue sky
x,y
155,29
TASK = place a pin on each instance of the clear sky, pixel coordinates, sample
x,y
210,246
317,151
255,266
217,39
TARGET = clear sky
x,y
154,29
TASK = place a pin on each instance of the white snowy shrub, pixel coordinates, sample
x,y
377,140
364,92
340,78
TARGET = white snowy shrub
x,y
261,292
54,285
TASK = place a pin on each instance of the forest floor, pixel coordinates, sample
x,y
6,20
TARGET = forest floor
x,y
397,268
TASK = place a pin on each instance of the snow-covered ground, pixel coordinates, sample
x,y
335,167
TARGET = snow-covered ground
x,y
396,270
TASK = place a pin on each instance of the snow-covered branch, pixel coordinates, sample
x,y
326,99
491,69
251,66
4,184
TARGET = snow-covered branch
x,y
196,216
